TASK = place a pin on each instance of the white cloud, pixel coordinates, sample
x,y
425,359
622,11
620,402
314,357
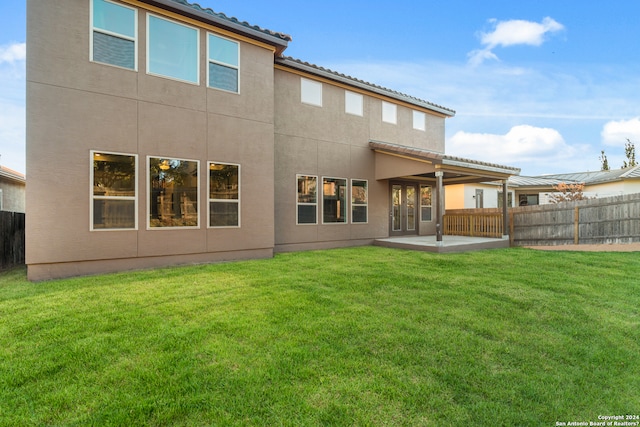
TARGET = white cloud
x,y
13,53
511,33
615,133
522,144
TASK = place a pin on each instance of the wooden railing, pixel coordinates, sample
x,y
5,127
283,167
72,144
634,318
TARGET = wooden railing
x,y
476,223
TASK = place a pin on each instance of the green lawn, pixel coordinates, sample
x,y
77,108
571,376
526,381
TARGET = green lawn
x,y
360,336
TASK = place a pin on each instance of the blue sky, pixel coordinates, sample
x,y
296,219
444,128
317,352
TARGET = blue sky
x,y
541,85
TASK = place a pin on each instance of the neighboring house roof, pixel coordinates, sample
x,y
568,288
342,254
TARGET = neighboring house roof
x,y
194,10
356,83
587,178
12,175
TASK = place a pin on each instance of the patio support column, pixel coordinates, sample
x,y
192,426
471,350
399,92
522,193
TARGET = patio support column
x,y
505,210
439,207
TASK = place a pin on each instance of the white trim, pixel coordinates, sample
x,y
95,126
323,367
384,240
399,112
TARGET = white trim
x,y
298,176
346,200
209,60
149,188
238,200
134,39
92,197
366,181
197,82
420,202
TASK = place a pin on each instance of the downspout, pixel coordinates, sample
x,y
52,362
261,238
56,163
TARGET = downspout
x,y
505,210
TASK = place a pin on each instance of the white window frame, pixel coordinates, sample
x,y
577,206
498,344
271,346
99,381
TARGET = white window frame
x,y
210,200
134,39
425,206
298,176
389,113
224,64
346,200
148,56
353,103
310,92
149,189
366,205
93,197
419,120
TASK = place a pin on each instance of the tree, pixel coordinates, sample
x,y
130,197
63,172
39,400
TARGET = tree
x,y
604,161
567,192
630,152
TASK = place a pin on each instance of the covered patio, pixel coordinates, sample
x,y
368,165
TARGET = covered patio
x,y
394,162
448,244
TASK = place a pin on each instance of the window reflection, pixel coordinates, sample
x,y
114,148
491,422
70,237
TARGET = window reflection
x,y
114,191
334,200
307,199
224,195
174,192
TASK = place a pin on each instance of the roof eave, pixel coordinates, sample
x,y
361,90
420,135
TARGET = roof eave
x,y
308,68
280,42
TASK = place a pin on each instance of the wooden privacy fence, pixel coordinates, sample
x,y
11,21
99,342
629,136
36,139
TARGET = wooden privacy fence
x,y
594,221
11,239
473,222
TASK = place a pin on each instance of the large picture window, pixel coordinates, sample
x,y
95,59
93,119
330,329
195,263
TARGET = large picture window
x,y
173,192
359,201
172,49
224,195
224,63
425,203
113,193
334,200
307,201
113,35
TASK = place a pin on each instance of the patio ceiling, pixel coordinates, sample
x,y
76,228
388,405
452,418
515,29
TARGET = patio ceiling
x,y
395,161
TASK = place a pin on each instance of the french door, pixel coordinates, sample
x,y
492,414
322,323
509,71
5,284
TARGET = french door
x,y
404,209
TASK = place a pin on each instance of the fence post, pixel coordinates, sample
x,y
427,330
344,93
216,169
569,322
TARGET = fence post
x,y
576,226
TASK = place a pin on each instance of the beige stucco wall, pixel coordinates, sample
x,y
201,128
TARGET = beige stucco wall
x,y
327,142
74,106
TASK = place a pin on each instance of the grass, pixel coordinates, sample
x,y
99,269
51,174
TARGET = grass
x,y
361,336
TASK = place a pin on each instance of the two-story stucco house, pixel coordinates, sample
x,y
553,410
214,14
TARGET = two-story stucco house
x,y
160,133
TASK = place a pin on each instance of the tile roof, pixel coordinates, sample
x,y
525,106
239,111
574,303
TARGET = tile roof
x,y
233,24
352,81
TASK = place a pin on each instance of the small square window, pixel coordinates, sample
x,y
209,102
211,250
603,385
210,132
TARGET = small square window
x,y
353,103
311,92
389,113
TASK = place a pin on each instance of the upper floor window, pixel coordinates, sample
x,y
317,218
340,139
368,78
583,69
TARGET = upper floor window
x,y
172,49
224,195
389,113
311,92
353,103
419,120
173,192
113,193
113,35
224,63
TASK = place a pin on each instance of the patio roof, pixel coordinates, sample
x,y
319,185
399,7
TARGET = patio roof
x,y
400,161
